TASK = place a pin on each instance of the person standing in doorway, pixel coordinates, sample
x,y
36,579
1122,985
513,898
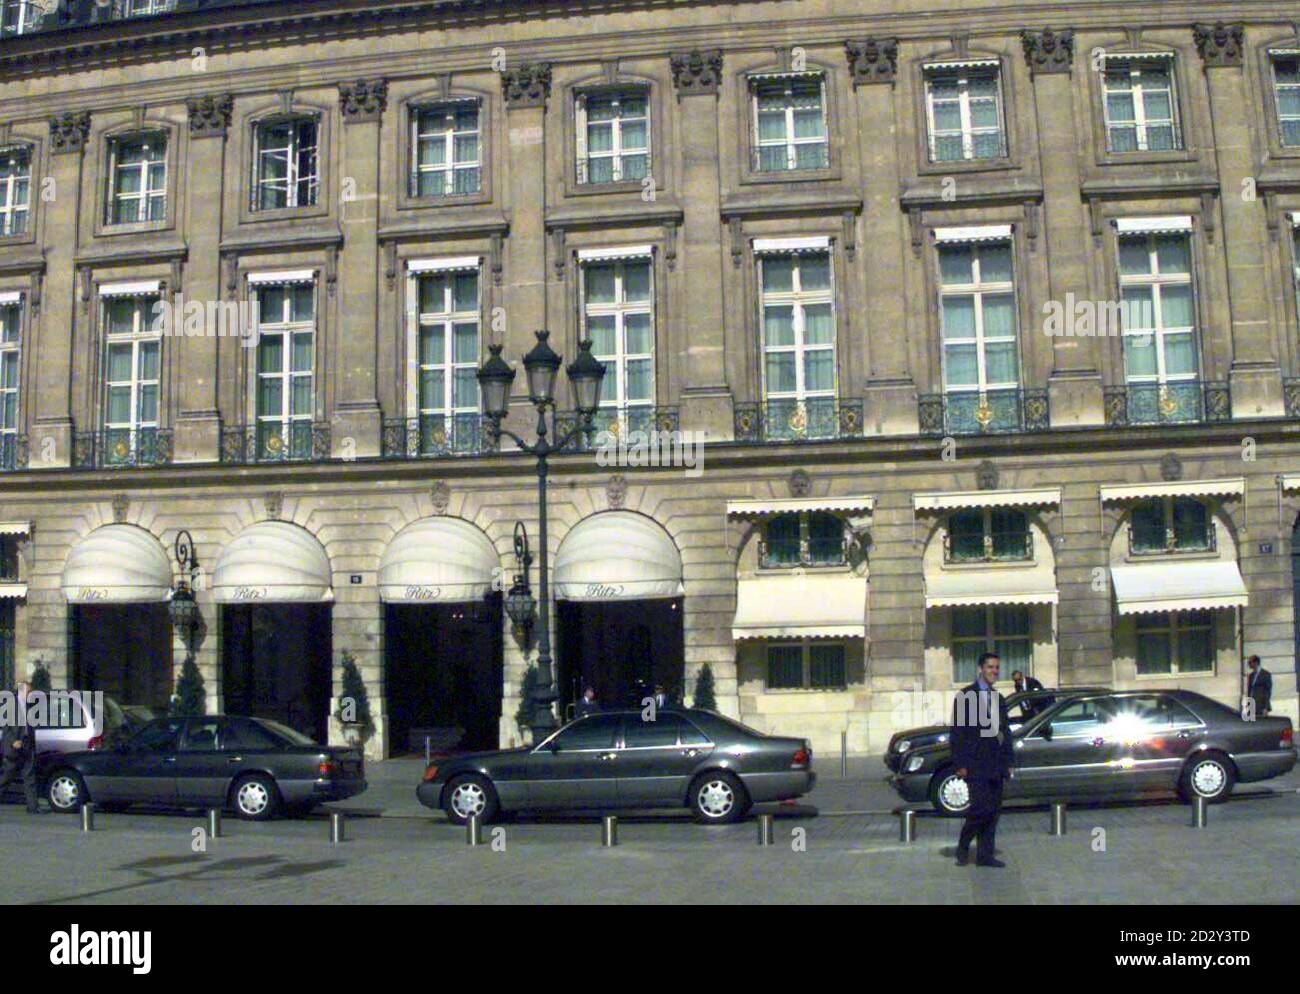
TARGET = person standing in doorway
x,y
981,751
18,745
587,703
1259,687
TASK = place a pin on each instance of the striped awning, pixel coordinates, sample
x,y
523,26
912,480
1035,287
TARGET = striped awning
x,y
273,562
623,252
1175,586
615,556
1153,225
132,288
283,276
975,586
117,564
962,64
770,607
787,246
1233,487
449,264
955,500
761,507
973,233
438,560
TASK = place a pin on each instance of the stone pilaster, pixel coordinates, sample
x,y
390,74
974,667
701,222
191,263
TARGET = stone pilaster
x,y
706,400
1255,377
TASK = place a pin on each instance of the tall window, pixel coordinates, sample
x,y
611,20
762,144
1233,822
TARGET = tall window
x,y
798,320
991,533
143,8
446,150
133,345
1286,90
1172,642
137,179
448,329
1003,630
1160,350
286,362
1171,524
815,539
790,123
11,315
1140,109
286,170
18,17
613,136
618,316
977,312
811,665
15,190
964,107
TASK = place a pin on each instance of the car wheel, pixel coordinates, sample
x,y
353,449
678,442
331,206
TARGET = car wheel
x,y
949,793
255,797
469,794
718,798
66,791
1209,775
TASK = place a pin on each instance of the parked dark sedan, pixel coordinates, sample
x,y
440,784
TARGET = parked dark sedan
x,y
1118,744
1020,707
689,758
253,766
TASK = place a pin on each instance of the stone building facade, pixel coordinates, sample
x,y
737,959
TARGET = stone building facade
x,y
988,320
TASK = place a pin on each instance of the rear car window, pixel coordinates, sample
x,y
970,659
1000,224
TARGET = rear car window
x,y
248,735
290,735
158,735
642,734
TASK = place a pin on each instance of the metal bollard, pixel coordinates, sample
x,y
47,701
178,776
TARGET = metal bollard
x,y
1200,808
214,823
844,755
609,830
1057,826
337,833
907,826
88,817
766,834
427,758
473,831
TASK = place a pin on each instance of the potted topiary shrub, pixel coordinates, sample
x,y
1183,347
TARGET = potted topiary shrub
x,y
353,710
524,713
40,678
188,700
704,699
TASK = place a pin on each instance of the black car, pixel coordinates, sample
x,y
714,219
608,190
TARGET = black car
x,y
713,765
254,766
1115,744
1020,707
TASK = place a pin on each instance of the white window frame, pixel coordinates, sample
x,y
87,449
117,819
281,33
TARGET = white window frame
x,y
154,142
1278,88
621,309
144,332
447,134
292,178
962,76
29,15
617,152
798,300
990,636
1172,627
977,290
805,649
286,329
790,142
144,8
1141,121
15,207
11,354
447,319
1157,281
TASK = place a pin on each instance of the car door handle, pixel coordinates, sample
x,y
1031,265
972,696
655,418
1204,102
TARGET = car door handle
x,y
608,755
235,759
1184,734
1098,743
169,759
690,753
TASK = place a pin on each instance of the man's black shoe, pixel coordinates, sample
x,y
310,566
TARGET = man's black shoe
x,y
995,863
963,858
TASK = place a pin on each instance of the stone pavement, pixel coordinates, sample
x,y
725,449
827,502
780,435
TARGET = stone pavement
x,y
1148,854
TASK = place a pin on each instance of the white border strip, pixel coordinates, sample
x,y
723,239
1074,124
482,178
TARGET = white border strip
x,y
11,297
452,263
963,64
131,289
974,233
821,243
627,252
283,276
1148,225
1136,56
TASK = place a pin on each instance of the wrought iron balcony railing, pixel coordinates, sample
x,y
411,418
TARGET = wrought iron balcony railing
x,y
619,423
776,556
988,412
13,451
1150,542
991,547
276,441
122,448
432,436
807,420
1181,402
20,17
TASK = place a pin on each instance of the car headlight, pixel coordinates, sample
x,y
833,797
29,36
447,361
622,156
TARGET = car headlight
x,y
903,745
915,763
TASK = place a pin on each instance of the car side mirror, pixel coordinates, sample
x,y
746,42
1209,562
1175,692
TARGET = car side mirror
x,y
1047,731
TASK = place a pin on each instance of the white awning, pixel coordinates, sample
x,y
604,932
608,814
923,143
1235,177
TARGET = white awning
x,y
782,246
762,507
1235,487
117,564
1291,481
1135,56
15,527
1152,225
973,233
962,64
438,560
11,297
972,586
617,556
1294,218
953,500
769,607
134,288
272,562
607,254
451,264
788,74
1174,586
10,591
282,276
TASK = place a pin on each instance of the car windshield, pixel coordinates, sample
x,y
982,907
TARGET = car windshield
x,y
292,736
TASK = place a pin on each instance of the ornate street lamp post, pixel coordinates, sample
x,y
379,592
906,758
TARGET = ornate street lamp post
x,y
184,608
541,366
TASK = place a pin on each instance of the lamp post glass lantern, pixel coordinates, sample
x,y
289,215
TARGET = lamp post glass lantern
x,y
184,608
495,377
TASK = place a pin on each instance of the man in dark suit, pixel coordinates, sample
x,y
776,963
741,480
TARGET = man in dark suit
x,y
1259,687
662,701
981,751
1024,683
18,746
587,703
